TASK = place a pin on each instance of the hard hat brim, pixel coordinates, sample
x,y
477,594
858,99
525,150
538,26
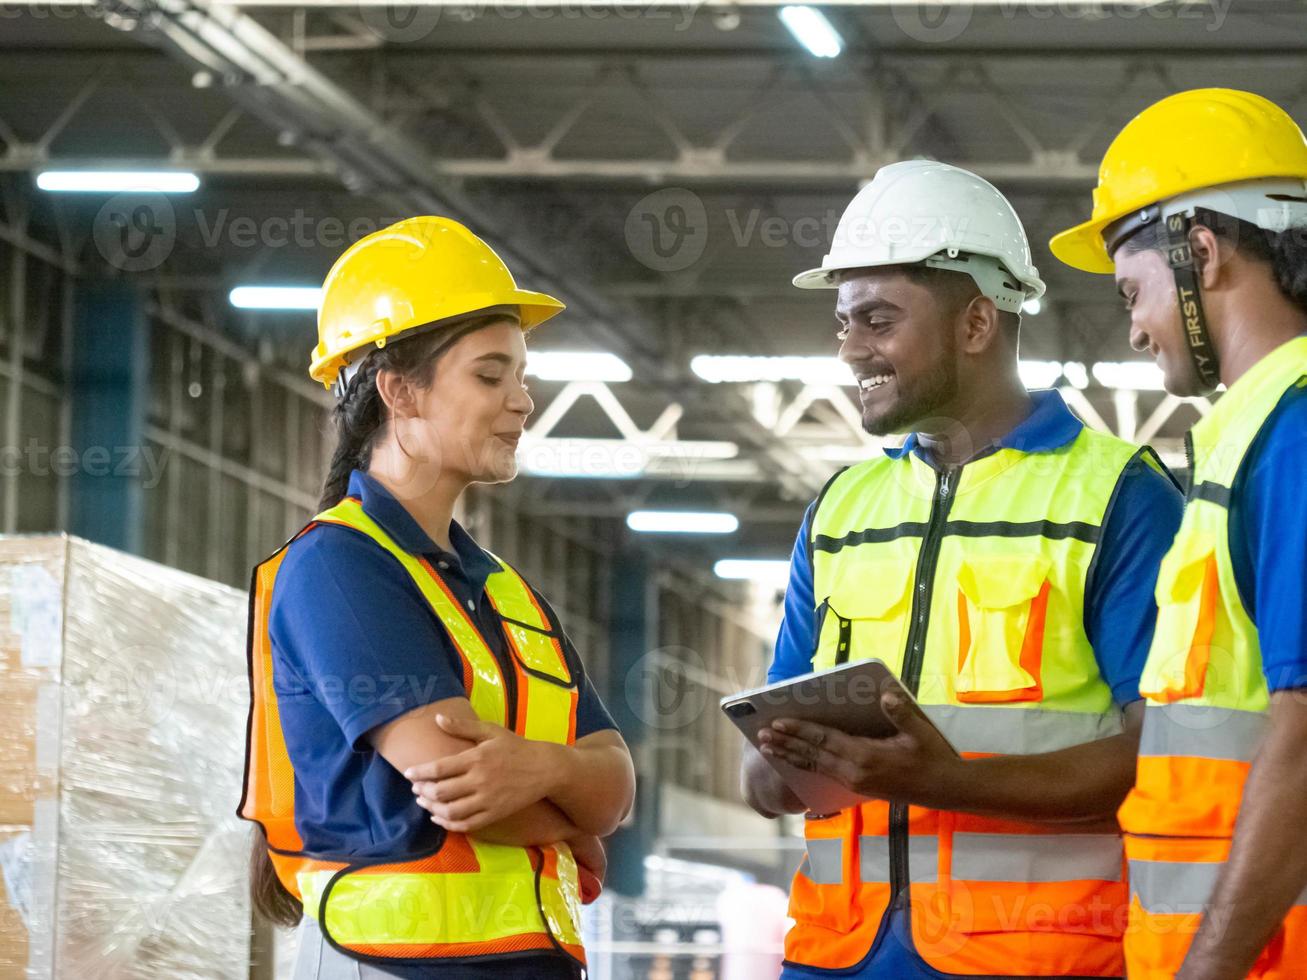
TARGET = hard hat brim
x,y
1082,247
815,279
533,310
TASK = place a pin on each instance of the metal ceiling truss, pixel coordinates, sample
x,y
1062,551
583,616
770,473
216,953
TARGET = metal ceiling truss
x,y
890,116
266,78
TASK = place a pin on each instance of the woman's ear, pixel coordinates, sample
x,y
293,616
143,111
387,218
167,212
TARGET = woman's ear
x,y
396,392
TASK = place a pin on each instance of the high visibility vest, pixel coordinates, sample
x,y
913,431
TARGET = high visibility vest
x,y
1207,700
464,897
970,584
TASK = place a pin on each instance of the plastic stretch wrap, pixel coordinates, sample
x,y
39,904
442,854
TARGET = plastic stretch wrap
x,y
122,725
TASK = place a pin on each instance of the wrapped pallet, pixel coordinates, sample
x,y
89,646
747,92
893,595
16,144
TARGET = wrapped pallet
x,y
122,722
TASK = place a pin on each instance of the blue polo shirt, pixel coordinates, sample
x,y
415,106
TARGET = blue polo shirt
x,y
1119,617
1268,540
354,646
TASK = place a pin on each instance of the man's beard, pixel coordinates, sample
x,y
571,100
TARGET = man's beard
x,y
929,392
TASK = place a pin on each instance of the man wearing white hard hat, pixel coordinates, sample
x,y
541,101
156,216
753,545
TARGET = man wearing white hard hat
x,y
1001,563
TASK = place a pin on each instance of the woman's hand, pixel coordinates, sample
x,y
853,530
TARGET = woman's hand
x,y
592,863
500,775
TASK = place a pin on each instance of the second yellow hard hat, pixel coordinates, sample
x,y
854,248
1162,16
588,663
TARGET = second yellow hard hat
x,y
1188,141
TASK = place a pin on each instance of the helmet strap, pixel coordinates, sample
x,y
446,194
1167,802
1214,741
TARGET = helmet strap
x,y
1180,257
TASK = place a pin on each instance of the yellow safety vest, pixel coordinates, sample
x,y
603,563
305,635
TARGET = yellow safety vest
x,y
1207,700
970,584
465,898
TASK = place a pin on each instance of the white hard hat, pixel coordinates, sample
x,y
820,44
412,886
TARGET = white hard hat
x,y
938,215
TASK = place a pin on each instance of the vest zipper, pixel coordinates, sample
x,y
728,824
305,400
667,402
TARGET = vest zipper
x,y
922,587
1189,461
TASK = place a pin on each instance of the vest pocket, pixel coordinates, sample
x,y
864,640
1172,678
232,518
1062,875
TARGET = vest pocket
x,y
539,653
1188,594
867,613
1027,882
1002,606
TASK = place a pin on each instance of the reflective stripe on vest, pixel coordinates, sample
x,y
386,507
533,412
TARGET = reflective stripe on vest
x,y
467,898
1007,669
977,857
1207,698
1178,887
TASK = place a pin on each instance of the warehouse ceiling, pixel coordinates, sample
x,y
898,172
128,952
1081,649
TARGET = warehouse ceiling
x,y
665,168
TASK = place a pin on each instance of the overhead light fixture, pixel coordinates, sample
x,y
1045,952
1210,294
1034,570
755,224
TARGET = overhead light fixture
x,y
811,29
275,297
1032,306
743,368
118,181
1040,374
681,522
1076,374
557,365
1130,375
769,571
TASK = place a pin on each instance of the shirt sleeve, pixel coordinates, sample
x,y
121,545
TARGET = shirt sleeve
x,y
1268,541
797,640
1120,610
591,712
356,634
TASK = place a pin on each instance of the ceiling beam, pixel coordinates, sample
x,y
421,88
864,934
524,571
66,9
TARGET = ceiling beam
x,y
264,76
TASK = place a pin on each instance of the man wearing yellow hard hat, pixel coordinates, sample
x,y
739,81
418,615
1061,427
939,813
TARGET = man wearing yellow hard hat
x,y
1201,212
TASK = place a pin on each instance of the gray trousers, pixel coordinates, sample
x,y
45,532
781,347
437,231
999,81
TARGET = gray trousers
x,y
317,960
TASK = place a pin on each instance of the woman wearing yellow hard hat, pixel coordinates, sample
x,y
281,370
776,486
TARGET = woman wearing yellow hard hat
x,y
427,764
1201,213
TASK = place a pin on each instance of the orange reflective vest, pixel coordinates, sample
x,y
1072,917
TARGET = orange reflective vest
x,y
1207,701
970,585
464,898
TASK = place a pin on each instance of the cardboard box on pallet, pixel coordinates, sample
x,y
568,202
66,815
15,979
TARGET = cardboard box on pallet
x,y
122,723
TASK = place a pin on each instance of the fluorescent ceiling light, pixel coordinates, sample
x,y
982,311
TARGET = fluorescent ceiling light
x,y
745,369
1040,374
770,571
558,365
1134,375
116,181
681,522
1032,306
718,368
811,29
1076,374
275,297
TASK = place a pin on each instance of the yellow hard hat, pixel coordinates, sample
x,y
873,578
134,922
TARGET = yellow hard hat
x,y
412,274
1201,138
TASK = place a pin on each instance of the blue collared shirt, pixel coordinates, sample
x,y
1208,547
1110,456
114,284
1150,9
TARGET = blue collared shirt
x,y
355,645
1268,540
1120,612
